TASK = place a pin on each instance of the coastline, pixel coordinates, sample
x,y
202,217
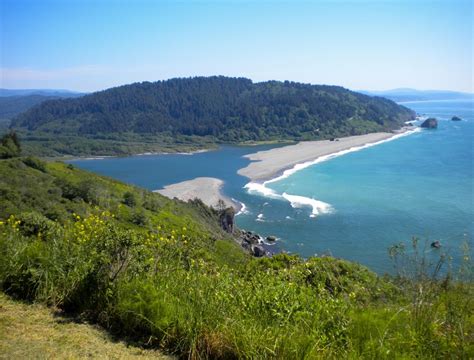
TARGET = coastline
x,y
207,189
275,164
103,157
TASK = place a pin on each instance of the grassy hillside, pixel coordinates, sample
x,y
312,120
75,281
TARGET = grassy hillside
x,y
196,112
162,272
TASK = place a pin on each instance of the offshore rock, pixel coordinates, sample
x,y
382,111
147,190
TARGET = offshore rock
x,y
430,123
436,244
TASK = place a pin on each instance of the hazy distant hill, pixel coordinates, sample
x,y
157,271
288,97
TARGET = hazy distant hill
x,y
218,109
15,101
400,95
45,92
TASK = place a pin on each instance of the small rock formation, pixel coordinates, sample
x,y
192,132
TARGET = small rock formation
x,y
430,123
227,219
436,244
258,250
271,238
253,244
249,237
456,118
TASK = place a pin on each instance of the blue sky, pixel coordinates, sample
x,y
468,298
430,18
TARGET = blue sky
x,y
91,45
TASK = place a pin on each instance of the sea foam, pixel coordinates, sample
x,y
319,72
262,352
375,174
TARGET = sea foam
x,y
318,207
243,208
257,188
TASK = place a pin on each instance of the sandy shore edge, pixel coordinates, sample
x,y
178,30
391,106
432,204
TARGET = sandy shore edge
x,y
208,189
268,164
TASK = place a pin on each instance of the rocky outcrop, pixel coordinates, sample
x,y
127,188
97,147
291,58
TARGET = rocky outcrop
x,y
227,219
430,123
258,250
253,243
456,118
249,237
271,238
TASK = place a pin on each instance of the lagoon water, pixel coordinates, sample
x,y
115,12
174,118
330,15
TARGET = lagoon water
x,y
418,185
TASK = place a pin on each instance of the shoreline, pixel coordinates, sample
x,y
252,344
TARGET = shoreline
x,y
103,157
207,189
294,164
275,164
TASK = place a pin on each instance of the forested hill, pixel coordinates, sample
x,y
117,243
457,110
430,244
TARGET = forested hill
x,y
220,108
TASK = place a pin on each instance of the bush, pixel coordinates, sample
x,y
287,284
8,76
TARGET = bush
x,y
129,199
139,218
35,163
9,146
34,224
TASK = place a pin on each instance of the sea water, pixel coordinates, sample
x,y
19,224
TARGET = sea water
x,y
353,206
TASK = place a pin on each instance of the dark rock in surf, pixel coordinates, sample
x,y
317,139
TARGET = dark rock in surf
x,y
430,123
436,244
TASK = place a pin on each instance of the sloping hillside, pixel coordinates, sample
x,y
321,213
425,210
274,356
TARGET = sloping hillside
x,y
162,272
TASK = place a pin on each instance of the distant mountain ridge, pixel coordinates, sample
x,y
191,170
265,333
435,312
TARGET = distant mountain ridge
x,y
219,109
407,94
43,92
16,101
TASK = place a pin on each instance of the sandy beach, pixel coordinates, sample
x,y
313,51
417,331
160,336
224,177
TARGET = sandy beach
x,y
270,163
205,188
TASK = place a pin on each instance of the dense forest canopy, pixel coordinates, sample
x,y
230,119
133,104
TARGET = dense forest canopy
x,y
226,109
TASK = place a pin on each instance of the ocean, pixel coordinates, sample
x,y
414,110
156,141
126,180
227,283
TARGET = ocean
x,y
353,206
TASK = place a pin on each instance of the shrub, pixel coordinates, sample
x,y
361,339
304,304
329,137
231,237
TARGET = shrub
x,y
9,146
35,163
35,224
139,218
129,199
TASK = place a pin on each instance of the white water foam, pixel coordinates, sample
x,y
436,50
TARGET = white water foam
x,y
318,207
257,188
260,217
243,208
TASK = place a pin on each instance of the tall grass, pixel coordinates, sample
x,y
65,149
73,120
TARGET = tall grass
x,y
165,288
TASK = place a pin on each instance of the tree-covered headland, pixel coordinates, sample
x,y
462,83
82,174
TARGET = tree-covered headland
x,y
192,113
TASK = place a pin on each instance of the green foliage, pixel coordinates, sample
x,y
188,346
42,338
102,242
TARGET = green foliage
x,y
35,163
180,284
197,112
9,146
139,218
129,199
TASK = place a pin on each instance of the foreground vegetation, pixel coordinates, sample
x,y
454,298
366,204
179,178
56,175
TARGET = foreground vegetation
x,y
163,273
182,114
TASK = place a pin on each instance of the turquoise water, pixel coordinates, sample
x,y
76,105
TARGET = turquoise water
x,y
419,185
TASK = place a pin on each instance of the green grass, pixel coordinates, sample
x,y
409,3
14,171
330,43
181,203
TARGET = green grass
x,y
163,273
